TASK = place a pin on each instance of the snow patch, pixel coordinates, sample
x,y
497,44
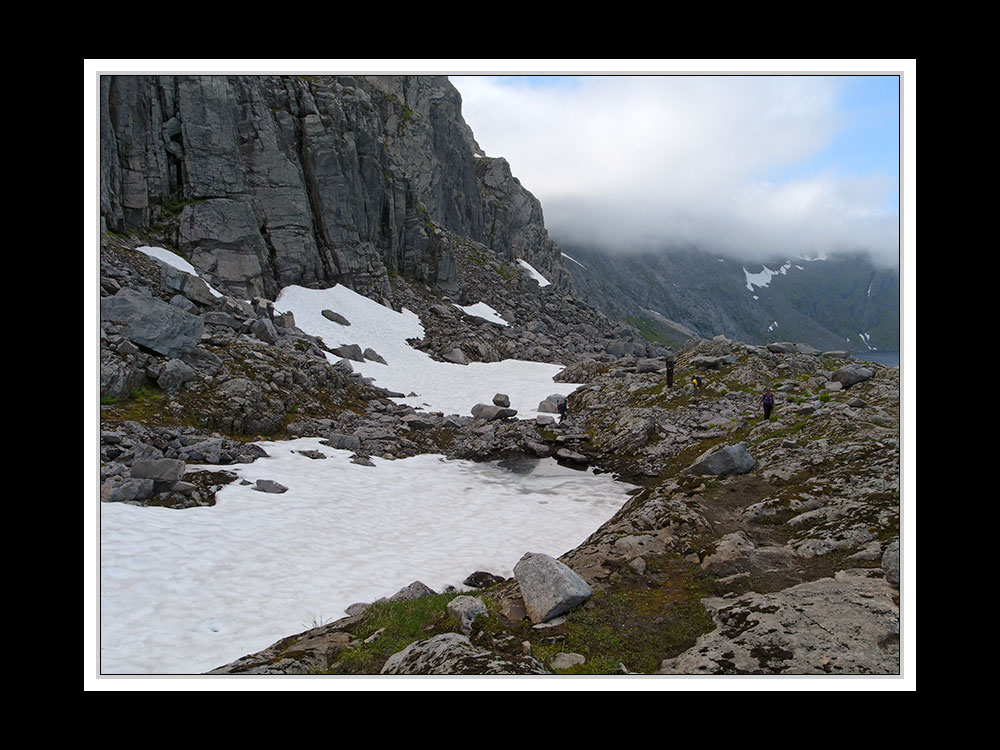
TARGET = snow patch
x,y
162,255
542,281
763,277
440,386
575,261
484,311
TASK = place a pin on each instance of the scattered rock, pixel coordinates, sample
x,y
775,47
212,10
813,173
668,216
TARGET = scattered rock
x,y
466,609
481,580
270,486
335,317
564,660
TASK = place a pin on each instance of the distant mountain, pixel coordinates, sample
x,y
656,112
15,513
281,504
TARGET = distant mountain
x,y
838,302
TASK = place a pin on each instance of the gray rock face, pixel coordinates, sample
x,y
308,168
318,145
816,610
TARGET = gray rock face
x,y
151,323
310,179
454,654
848,624
733,459
549,588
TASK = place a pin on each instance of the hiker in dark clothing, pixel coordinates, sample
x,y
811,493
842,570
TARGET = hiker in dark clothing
x,y
696,382
670,373
767,401
563,410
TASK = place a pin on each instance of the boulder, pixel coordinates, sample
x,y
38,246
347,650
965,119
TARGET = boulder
x,y
502,399
852,374
481,580
192,287
787,347
551,404
549,588
490,412
565,660
456,355
175,373
373,356
264,330
350,351
466,609
158,469
270,486
733,459
344,442
890,563
454,654
414,591
151,323
335,317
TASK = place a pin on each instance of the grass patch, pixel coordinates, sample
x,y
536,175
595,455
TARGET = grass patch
x,y
401,623
637,623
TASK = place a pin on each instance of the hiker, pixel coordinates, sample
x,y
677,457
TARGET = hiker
x,y
767,401
696,382
563,410
670,373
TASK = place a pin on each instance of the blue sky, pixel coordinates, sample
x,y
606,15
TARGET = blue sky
x,y
750,166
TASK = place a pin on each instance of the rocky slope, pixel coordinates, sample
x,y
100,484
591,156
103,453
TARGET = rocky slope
x,y
752,547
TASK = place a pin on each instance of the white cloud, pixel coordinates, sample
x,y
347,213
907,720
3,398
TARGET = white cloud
x,y
719,162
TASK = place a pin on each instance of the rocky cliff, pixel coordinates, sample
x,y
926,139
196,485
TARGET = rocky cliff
x,y
267,181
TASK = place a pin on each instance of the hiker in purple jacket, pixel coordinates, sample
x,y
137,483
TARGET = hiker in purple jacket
x,y
767,401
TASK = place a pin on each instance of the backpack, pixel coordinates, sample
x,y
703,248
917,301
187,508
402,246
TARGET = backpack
x,y
769,399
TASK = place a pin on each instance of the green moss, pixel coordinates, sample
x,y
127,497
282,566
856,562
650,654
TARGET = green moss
x,y
639,622
401,623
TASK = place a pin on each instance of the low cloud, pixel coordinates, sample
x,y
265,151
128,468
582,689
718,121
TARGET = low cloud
x,y
735,165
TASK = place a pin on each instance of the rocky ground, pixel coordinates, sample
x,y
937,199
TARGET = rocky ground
x,y
753,546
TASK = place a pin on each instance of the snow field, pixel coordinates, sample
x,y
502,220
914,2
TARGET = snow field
x,y
185,591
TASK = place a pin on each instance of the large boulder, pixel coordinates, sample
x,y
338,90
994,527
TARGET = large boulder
x,y
451,653
151,323
489,412
549,588
733,459
551,404
852,374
